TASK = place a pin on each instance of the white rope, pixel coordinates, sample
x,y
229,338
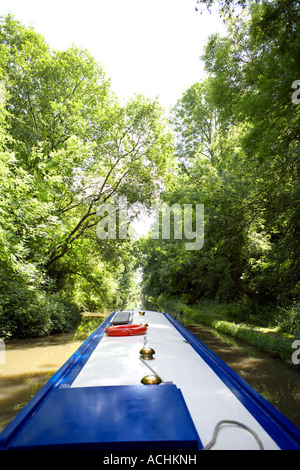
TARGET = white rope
x,y
236,423
152,370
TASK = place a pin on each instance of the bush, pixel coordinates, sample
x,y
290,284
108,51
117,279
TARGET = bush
x,y
289,320
29,313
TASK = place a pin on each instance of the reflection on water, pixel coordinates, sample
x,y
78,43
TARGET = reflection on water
x,y
30,363
275,381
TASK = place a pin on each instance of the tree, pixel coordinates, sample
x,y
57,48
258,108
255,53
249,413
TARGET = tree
x,y
225,7
261,67
238,148
70,148
81,147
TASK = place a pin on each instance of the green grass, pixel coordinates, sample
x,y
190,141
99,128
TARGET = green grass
x,y
266,339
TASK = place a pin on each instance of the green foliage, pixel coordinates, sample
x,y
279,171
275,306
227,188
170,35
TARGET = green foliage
x,y
67,146
237,147
214,315
26,313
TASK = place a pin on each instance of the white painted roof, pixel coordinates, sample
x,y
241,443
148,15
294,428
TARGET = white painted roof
x,y
115,361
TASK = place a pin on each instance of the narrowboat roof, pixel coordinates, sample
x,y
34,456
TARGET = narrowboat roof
x,y
97,400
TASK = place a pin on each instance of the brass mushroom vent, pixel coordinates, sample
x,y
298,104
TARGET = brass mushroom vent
x,y
147,353
151,380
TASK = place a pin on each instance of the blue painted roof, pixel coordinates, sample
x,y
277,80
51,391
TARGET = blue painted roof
x,y
118,417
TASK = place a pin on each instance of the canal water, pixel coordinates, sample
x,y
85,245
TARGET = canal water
x,y
30,363
274,380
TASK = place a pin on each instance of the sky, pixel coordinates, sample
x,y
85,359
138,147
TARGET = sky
x,y
150,47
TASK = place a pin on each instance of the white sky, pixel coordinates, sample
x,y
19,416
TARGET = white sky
x,y
150,47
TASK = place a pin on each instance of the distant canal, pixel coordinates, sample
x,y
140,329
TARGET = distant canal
x,y
30,363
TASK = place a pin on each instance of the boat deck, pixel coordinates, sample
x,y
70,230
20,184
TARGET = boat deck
x,y
116,361
97,401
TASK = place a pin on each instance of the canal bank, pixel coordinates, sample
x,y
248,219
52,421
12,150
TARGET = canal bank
x,y
273,379
31,362
269,338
